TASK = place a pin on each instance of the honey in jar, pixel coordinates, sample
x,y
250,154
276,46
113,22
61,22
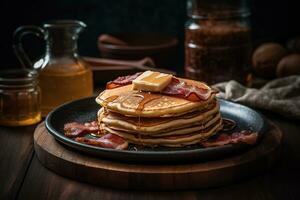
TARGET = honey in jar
x,y
63,75
19,98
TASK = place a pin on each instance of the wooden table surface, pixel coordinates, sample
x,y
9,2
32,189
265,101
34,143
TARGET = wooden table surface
x,y
23,177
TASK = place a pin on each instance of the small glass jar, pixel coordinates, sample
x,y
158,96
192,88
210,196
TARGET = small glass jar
x,y
19,98
218,41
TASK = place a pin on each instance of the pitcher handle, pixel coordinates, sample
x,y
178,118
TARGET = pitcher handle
x,y
18,46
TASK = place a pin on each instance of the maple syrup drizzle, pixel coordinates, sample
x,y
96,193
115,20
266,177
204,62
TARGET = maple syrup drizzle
x,y
146,98
139,127
100,131
109,99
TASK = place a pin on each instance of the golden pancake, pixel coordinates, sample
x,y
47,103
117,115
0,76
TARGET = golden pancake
x,y
154,118
149,126
171,141
174,130
126,101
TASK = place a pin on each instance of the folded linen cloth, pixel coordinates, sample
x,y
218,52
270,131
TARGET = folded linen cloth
x,y
281,95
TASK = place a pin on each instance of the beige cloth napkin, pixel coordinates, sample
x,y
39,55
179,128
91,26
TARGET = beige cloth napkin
x,y
281,95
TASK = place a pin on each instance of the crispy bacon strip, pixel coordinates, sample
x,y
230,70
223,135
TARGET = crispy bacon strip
x,y
190,92
107,141
122,81
75,129
244,136
176,88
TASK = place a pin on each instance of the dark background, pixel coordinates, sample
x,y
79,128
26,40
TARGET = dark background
x,y
271,20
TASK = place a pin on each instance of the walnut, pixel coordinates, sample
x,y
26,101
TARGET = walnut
x,y
265,59
289,65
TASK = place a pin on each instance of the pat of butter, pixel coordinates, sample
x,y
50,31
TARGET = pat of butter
x,y
151,81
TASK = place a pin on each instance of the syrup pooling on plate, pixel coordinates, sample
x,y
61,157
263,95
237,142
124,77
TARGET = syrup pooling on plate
x,y
228,124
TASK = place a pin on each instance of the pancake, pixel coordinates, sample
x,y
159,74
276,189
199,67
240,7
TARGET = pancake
x,y
174,130
182,113
149,126
130,102
171,141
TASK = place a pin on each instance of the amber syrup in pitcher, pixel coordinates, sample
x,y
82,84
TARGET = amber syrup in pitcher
x,y
63,75
63,83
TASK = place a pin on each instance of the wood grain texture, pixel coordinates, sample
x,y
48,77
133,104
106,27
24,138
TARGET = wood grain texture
x,y
16,150
42,183
280,182
160,177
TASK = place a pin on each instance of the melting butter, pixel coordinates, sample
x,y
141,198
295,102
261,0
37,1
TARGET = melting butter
x,y
151,81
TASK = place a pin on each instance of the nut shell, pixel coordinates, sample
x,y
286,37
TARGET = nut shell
x,y
289,65
265,59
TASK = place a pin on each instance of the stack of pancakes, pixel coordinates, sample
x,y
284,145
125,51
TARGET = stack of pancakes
x,y
153,119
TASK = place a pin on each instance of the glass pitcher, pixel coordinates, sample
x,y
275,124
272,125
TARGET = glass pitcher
x,y
63,75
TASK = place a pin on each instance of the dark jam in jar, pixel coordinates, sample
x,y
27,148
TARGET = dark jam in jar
x,y
217,44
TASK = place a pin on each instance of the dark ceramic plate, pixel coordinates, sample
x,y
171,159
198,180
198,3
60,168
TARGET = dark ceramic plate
x,y
85,110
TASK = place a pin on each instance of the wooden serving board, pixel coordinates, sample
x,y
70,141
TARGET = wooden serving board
x,y
81,167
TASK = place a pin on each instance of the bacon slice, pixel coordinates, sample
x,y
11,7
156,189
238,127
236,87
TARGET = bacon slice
x,y
181,89
107,141
75,129
122,81
244,136
176,88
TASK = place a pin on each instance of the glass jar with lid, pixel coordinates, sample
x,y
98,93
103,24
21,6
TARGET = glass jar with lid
x,y
19,98
218,41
